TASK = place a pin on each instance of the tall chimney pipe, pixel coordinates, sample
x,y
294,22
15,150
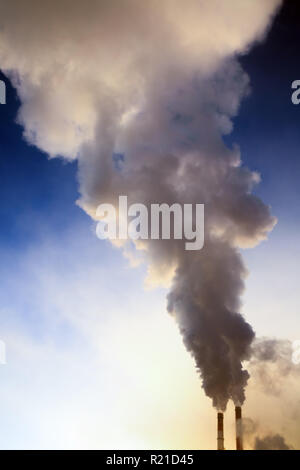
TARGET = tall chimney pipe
x,y
239,428
220,439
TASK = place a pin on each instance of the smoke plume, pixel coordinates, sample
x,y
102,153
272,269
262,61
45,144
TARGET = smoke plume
x,y
141,93
272,442
273,364
257,440
274,368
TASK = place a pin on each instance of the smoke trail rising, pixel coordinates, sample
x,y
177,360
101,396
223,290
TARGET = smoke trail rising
x,y
272,442
158,83
272,365
257,440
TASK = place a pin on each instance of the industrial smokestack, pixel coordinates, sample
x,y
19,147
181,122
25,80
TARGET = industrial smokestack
x,y
239,428
220,439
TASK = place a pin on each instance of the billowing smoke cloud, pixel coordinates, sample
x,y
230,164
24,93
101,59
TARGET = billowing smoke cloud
x,y
154,84
272,442
275,370
256,440
272,364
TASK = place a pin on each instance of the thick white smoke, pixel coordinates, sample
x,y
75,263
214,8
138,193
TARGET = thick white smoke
x,y
158,82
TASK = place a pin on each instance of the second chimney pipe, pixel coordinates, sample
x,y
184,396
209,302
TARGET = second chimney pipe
x,y
220,439
239,428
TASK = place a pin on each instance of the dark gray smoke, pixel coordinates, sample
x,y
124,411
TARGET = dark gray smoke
x,y
205,300
255,439
158,83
